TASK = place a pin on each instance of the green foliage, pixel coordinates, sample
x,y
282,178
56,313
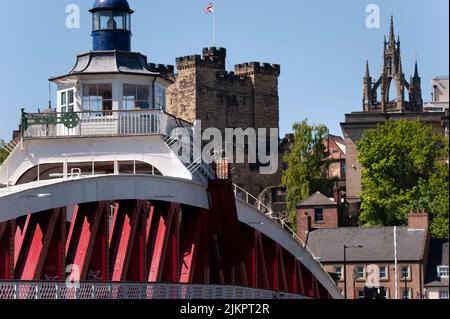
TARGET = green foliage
x,y
306,170
3,155
405,167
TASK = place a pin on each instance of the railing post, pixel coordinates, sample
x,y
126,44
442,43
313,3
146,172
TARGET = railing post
x,y
134,164
65,166
93,164
7,177
116,166
39,172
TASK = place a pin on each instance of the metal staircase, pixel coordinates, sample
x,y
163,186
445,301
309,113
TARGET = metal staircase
x,y
194,165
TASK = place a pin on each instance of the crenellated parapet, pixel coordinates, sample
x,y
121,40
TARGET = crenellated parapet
x,y
254,68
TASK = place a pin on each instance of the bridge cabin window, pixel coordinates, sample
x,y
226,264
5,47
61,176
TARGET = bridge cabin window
x,y
136,97
67,101
111,20
160,97
97,97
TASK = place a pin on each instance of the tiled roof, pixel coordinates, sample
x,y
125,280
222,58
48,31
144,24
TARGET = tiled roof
x,y
317,199
378,244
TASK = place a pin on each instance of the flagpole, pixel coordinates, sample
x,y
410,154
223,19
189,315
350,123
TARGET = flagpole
x,y
214,24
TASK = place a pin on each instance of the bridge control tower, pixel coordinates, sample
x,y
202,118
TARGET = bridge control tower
x,y
99,185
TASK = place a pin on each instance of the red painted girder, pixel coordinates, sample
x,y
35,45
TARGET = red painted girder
x,y
283,286
83,233
159,238
22,224
126,221
7,230
35,245
261,263
192,224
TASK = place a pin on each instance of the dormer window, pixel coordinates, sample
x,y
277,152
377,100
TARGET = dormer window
x,y
443,271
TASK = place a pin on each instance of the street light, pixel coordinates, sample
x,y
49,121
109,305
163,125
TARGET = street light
x,y
345,267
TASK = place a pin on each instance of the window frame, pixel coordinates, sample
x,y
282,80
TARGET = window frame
x,y
440,270
443,291
67,100
386,277
136,101
91,99
363,273
316,220
340,272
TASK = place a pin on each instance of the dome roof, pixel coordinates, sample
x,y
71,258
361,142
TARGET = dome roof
x,y
111,4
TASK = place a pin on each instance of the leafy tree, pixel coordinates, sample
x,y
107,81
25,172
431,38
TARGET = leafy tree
x,y
405,167
3,154
306,171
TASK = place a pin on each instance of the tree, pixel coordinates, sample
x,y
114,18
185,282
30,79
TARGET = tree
x,y
405,167
3,153
306,171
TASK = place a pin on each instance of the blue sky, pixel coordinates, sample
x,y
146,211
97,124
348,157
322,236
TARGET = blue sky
x,y
321,45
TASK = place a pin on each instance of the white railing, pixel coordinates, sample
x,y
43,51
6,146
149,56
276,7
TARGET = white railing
x,y
97,123
268,212
112,291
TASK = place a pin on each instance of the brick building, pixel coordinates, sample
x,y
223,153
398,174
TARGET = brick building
x,y
436,280
395,257
246,98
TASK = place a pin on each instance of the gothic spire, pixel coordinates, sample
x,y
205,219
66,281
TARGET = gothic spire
x,y
416,71
367,70
391,33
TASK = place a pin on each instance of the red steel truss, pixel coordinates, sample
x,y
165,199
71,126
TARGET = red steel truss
x,y
154,242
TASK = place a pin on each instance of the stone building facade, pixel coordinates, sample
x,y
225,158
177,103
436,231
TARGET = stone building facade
x,y
406,105
246,98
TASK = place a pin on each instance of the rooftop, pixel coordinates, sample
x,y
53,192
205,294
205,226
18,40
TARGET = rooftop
x,y
317,199
377,242
438,256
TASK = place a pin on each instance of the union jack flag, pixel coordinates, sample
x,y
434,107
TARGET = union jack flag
x,y
209,8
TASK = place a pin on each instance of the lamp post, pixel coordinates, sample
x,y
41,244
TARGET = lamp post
x,y
345,267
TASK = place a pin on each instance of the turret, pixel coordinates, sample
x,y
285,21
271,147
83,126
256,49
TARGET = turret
x,y
367,89
415,91
111,25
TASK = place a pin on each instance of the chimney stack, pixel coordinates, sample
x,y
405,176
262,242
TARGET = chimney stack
x,y
418,220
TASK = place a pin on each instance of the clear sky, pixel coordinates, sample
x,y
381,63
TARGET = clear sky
x,y
322,46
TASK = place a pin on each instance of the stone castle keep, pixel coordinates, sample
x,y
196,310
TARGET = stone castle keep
x,y
247,98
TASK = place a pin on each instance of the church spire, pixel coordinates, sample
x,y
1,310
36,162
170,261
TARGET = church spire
x,y
391,33
367,70
416,71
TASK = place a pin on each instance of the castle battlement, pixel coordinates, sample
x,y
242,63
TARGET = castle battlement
x,y
252,68
166,71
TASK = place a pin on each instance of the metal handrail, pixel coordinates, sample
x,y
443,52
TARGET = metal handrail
x,y
281,223
54,290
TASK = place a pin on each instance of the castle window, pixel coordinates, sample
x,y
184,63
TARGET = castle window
x,y
136,97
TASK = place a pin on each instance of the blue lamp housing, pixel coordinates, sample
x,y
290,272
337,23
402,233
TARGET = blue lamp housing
x,y
111,25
